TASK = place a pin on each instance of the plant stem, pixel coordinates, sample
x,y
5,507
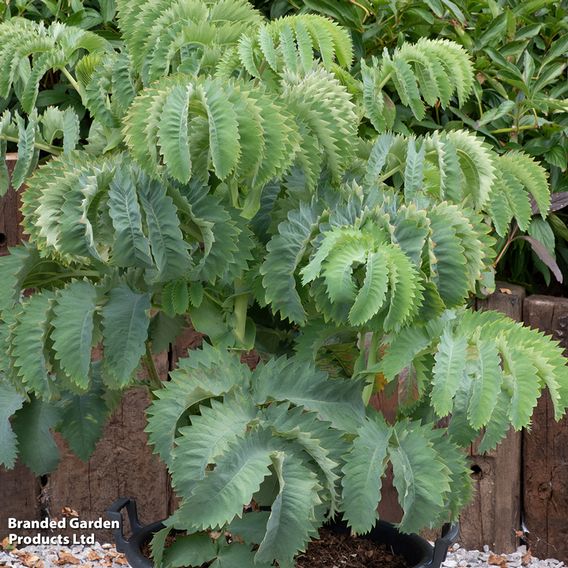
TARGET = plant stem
x,y
515,129
72,81
240,311
507,244
153,375
45,147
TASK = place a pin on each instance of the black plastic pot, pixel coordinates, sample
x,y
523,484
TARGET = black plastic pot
x,y
418,552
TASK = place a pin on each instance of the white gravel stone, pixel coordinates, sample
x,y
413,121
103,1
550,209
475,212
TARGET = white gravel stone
x,y
463,558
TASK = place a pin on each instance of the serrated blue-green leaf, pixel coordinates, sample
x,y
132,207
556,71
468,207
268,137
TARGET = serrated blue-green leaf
x,y
291,516
168,247
10,401
371,296
190,550
268,48
378,157
285,252
221,495
26,149
83,419
322,443
487,378
237,555
130,247
518,199
125,319
29,337
521,375
210,433
405,289
14,268
173,135
208,373
72,333
500,211
450,271
498,425
364,468
407,87
421,479
71,130
250,527
223,128
336,400
448,371
414,169
32,425
402,350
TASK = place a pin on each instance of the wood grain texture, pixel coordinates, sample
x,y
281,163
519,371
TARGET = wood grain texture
x,y
10,216
19,496
122,466
545,448
495,513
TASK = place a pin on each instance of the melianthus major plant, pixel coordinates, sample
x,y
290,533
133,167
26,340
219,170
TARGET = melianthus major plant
x,y
237,175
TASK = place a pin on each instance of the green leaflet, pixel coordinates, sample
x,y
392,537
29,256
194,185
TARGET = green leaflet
x,y
173,135
26,149
285,251
168,247
337,401
190,550
10,401
322,443
125,319
487,378
290,525
209,435
208,373
420,477
364,468
28,344
222,493
448,371
72,334
130,247
32,425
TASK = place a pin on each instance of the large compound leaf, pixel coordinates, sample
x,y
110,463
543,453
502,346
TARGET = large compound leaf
x,y
211,431
221,495
208,373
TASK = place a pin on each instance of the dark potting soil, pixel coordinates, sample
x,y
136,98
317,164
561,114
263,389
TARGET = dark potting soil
x,y
334,550
344,551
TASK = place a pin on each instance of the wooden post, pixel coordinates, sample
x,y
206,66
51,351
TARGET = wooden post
x,y
545,449
10,216
494,515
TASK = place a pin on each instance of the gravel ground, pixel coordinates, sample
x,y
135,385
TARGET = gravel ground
x,y
97,556
106,556
461,558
